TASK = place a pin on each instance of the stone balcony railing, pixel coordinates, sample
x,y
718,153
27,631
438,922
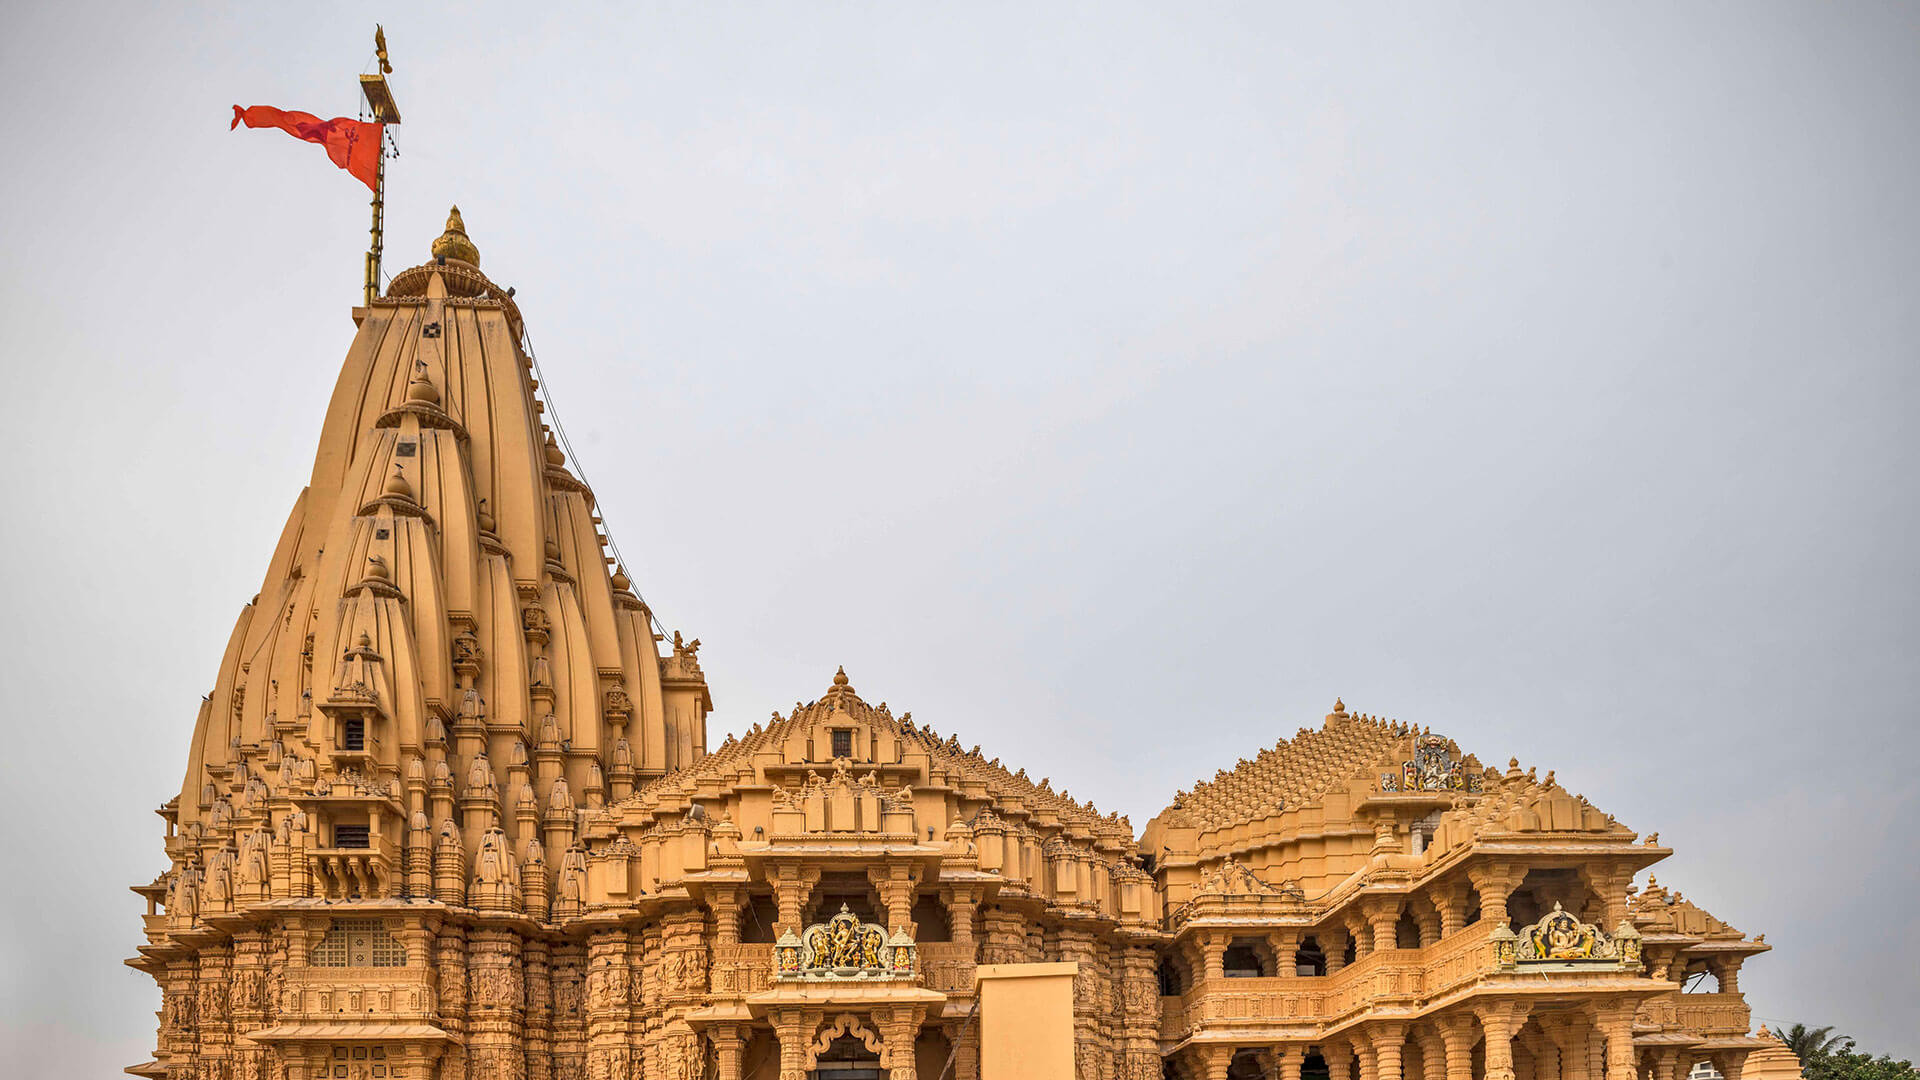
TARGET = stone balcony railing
x,y
1390,977
339,873
331,993
743,969
947,966
1705,1014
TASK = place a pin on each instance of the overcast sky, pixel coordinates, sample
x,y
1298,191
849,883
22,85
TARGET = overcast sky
x,y
1112,386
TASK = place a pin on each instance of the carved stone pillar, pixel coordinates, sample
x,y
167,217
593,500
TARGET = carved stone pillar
x,y
683,975
536,964
1360,933
248,1002
899,1027
961,905
1433,1053
1287,1059
1665,1062
1429,922
1546,1060
609,989
1571,1034
496,1010
1006,936
965,1040
1727,971
1623,1061
1451,899
1383,921
213,979
1139,1032
1456,1036
727,902
450,958
1285,943
1500,1021
1338,1055
1215,1061
793,1028
569,978
1363,1052
1388,1038
1078,946
896,883
1333,946
1213,955
729,1046
1495,882
792,888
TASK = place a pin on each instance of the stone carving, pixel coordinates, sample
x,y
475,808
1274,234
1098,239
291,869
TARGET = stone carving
x,y
1560,938
1231,878
843,947
1432,768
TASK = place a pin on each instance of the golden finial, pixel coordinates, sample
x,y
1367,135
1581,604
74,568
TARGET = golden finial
x,y
454,244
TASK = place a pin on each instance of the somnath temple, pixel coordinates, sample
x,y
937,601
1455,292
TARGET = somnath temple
x,y
451,811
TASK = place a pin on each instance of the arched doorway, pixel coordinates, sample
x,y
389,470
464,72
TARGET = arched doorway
x,y
847,1058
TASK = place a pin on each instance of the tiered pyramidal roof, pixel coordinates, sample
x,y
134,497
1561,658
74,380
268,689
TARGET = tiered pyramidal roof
x,y
443,582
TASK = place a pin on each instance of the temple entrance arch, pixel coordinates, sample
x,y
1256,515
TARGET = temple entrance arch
x,y
845,1049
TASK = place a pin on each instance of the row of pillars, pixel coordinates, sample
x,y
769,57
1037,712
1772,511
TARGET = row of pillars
x,y
1374,923
794,1032
897,883
1581,1047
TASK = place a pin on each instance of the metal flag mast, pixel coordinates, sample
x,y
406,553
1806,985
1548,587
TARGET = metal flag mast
x,y
380,100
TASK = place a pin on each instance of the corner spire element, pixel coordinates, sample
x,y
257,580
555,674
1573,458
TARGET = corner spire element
x,y
454,244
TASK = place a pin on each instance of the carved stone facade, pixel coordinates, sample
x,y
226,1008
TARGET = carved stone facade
x,y
450,813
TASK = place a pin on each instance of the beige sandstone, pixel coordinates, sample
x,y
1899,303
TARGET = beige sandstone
x,y
450,811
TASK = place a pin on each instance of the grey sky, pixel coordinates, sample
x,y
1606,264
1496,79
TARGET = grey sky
x,y
1112,386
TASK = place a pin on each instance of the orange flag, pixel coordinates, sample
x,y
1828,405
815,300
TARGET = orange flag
x,y
354,145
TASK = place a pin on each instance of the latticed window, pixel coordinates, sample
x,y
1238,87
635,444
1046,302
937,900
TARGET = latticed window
x,y
352,1061
842,742
359,943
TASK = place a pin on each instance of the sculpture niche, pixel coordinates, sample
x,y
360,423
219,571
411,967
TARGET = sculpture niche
x,y
1561,940
843,947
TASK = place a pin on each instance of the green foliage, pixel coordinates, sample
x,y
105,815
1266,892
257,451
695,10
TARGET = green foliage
x,y
1826,1056
1805,1041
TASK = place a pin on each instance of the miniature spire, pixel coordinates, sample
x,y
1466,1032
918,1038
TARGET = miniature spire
x,y
397,485
454,244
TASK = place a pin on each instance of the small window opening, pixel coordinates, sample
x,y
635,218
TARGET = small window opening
x,y
353,734
1406,933
930,919
1172,981
1242,960
351,836
842,742
1308,959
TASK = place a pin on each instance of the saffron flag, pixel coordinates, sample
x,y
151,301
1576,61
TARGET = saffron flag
x,y
354,145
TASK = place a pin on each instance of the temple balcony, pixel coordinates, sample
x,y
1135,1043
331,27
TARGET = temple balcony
x,y
1709,1015
1480,956
341,873
739,970
947,966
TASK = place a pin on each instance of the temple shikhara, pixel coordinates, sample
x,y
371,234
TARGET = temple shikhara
x,y
452,811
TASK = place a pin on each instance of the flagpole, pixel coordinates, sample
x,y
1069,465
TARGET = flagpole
x,y
380,99
379,212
